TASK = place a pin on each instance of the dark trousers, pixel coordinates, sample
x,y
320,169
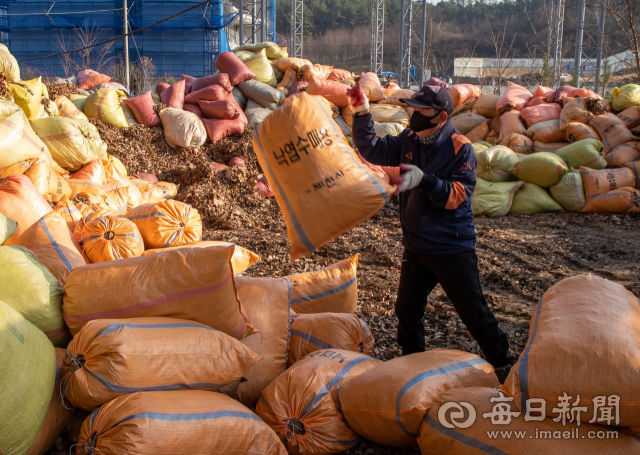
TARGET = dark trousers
x,y
459,277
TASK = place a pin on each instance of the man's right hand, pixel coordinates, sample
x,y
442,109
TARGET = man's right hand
x,y
358,100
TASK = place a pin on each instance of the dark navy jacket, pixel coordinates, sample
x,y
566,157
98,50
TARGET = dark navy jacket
x,y
438,221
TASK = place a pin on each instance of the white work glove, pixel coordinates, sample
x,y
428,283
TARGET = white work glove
x,y
410,179
358,99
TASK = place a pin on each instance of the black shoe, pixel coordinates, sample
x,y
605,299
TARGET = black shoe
x,y
503,371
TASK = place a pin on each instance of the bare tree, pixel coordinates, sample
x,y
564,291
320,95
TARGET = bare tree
x,y
503,51
94,57
141,74
624,15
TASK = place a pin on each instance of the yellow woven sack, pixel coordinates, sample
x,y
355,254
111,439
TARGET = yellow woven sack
x,y
122,170
533,199
625,97
167,223
543,168
8,64
28,366
319,183
169,190
104,105
67,109
388,113
27,95
272,50
493,198
107,238
18,141
72,143
493,164
261,67
51,185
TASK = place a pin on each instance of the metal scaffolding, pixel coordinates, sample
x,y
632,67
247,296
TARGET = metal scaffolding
x,y
588,63
256,12
377,35
411,70
297,23
554,36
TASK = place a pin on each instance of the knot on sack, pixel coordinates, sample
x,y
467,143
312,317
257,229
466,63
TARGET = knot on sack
x,y
361,347
89,446
76,363
296,426
181,225
109,235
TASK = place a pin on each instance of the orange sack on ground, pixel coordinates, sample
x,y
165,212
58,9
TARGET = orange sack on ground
x,y
21,201
299,405
515,97
541,437
333,289
574,313
266,302
181,421
618,201
312,332
318,181
412,385
605,180
611,130
186,283
113,357
58,416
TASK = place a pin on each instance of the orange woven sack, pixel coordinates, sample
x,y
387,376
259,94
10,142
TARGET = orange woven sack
x,y
333,289
630,117
412,385
605,180
623,154
579,131
66,108
587,324
478,133
266,302
167,223
318,181
47,181
395,96
58,416
462,92
187,283
336,92
612,131
339,75
370,83
540,113
547,132
92,172
69,212
299,405
634,166
510,123
618,201
88,78
519,143
87,188
242,258
515,97
109,237
113,357
312,332
50,240
21,201
176,422
440,434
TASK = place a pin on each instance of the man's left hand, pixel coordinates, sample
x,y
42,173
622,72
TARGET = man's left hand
x,y
410,179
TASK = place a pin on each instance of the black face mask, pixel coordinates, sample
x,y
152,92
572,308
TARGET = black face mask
x,y
420,122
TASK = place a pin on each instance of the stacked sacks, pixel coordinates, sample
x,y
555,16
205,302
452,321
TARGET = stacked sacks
x,y
109,237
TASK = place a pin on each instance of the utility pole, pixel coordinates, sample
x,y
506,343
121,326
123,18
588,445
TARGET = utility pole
x,y
411,64
297,24
589,37
126,44
377,35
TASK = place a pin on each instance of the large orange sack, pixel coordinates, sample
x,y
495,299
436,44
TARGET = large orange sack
x,y
299,405
584,324
611,130
318,181
266,302
333,289
618,201
186,283
540,113
515,97
176,422
485,436
21,201
605,180
336,92
312,332
412,385
109,238
462,92
623,154
113,357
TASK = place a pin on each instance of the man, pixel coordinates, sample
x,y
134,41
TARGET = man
x,y
436,218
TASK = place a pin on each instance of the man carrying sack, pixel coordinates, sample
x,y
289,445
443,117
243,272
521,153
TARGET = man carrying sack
x,y
439,176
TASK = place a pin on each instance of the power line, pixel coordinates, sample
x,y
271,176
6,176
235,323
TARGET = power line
x,y
119,37
64,13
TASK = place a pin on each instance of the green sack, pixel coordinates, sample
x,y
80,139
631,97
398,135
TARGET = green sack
x,y
272,50
388,129
28,366
262,68
256,113
543,168
30,289
78,101
7,228
569,193
494,163
533,199
587,152
493,198
479,147
261,93
625,97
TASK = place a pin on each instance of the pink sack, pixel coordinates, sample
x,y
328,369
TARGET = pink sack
x,y
148,177
161,87
188,82
435,82
538,100
222,109
218,129
335,92
541,90
462,92
210,93
563,92
142,108
541,113
264,190
21,201
88,78
229,63
221,79
515,97
194,108
297,87
174,95
237,161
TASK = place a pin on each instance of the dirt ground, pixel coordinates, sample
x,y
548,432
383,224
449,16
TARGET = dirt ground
x,y
520,256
